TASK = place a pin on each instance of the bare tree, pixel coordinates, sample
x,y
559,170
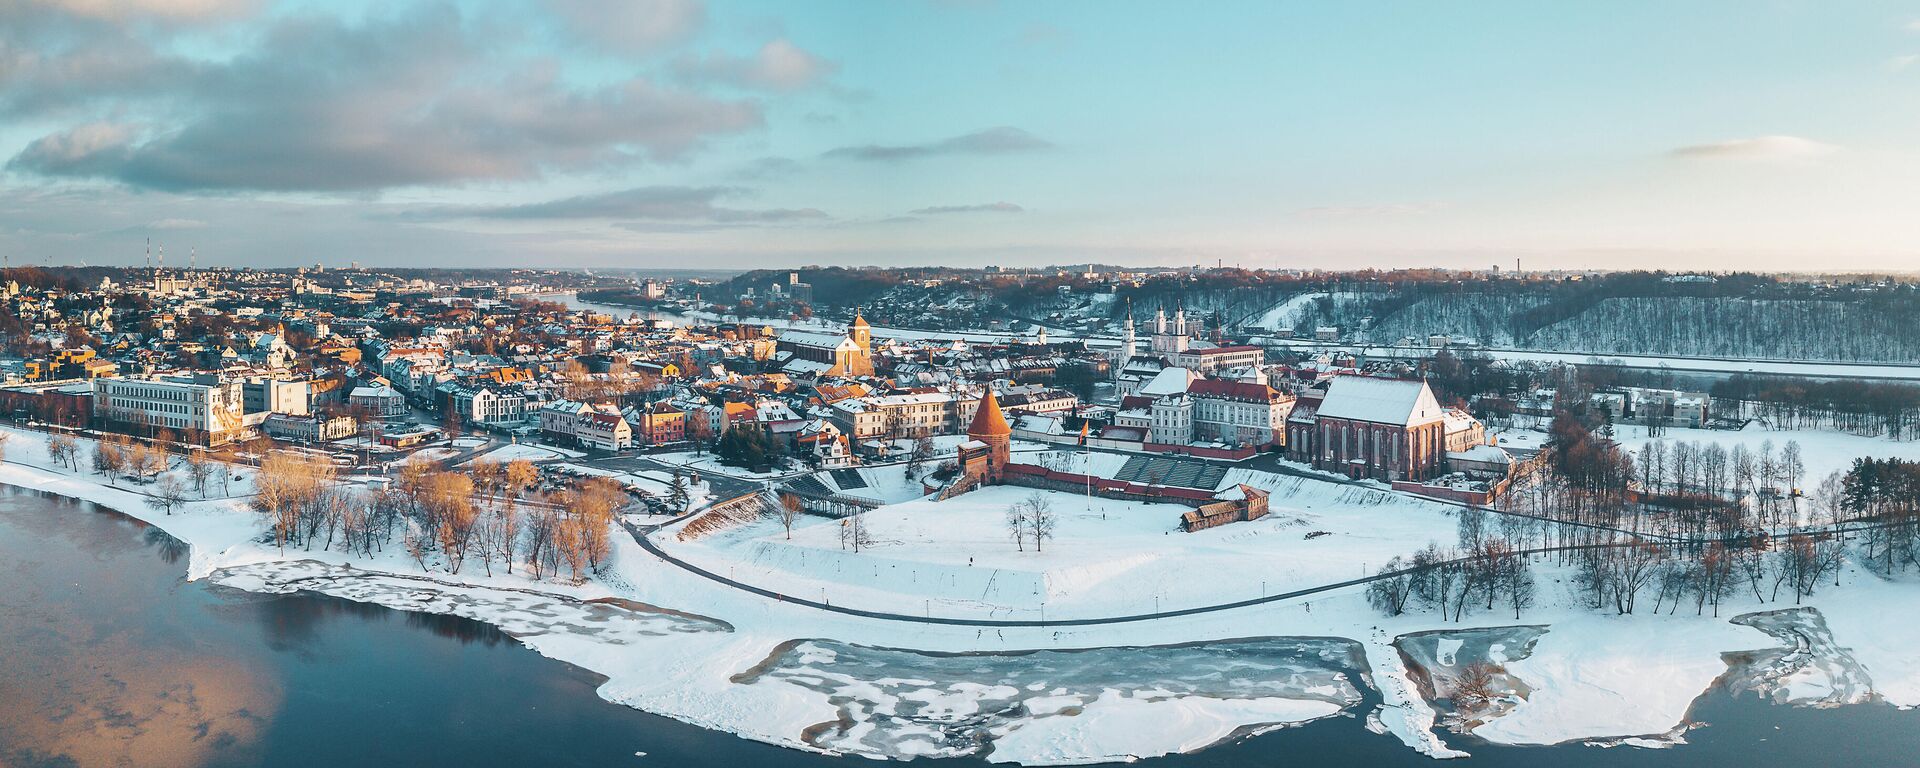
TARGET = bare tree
x,y
199,470
1040,519
450,500
108,458
62,448
1516,578
1473,689
598,500
853,531
167,495
789,511
922,453
1388,594
1017,522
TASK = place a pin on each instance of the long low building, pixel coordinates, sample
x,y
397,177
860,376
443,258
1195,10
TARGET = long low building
x,y
200,408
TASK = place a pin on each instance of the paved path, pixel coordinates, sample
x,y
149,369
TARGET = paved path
x,y
641,535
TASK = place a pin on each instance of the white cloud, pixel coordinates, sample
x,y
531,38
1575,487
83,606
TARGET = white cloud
x,y
777,66
1757,148
1900,63
180,10
632,26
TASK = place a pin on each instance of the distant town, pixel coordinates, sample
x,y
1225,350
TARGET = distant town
x,y
711,465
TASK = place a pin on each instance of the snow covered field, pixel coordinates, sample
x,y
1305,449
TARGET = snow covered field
x,y
1107,557
1823,451
673,642
526,451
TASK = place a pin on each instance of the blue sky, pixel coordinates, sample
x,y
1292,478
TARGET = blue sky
x,y
663,133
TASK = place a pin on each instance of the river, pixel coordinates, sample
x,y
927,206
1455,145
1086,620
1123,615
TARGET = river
x,y
108,656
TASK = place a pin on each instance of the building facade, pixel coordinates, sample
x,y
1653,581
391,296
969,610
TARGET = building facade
x,y
200,408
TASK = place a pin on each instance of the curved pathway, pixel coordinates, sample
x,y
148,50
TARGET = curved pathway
x,y
641,535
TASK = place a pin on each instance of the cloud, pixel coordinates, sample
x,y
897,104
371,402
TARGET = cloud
x,y
654,203
423,98
768,168
1761,148
777,66
992,141
177,10
1000,207
632,26
1901,63
1912,26
176,224
83,150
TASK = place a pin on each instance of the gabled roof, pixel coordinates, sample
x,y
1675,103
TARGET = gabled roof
x,y
1402,402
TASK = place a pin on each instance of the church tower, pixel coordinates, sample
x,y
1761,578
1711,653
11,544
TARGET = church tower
x,y
861,333
1171,338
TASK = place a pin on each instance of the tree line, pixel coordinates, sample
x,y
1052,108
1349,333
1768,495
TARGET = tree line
x,y
491,513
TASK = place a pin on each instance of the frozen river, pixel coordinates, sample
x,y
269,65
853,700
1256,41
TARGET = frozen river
x,y
112,658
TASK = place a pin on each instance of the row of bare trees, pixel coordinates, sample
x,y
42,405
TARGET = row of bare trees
x,y
490,513
1688,467
1453,582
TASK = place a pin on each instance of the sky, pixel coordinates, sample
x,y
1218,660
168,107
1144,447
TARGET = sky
x,y
664,134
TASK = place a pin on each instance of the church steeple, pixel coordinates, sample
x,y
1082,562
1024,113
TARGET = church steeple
x,y
860,332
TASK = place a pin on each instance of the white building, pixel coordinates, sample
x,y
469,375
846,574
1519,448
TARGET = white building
x,y
267,395
202,407
1172,420
382,401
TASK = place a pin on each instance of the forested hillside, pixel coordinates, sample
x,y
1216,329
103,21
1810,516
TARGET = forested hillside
x,y
1878,327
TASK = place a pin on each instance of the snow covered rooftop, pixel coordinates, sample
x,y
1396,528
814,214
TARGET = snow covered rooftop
x,y
1169,381
1381,401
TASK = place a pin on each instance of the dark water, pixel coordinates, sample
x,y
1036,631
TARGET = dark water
x,y
109,657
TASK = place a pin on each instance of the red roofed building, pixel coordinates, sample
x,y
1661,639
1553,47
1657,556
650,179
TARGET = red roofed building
x,y
1239,413
662,424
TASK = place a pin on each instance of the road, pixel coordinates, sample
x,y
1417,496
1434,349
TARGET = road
x,y
641,535
724,486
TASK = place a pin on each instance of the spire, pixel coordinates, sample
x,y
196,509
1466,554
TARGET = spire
x,y
988,421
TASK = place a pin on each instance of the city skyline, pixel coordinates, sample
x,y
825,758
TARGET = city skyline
x,y
734,135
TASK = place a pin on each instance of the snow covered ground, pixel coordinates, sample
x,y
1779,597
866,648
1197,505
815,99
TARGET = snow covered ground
x,y
1823,451
673,642
528,452
1286,314
656,482
1107,557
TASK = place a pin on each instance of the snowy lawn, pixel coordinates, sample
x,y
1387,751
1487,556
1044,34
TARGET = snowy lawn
x,y
1107,557
1823,451
528,452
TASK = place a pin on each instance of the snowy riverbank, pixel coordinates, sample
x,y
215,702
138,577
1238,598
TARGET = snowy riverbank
x,y
672,642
